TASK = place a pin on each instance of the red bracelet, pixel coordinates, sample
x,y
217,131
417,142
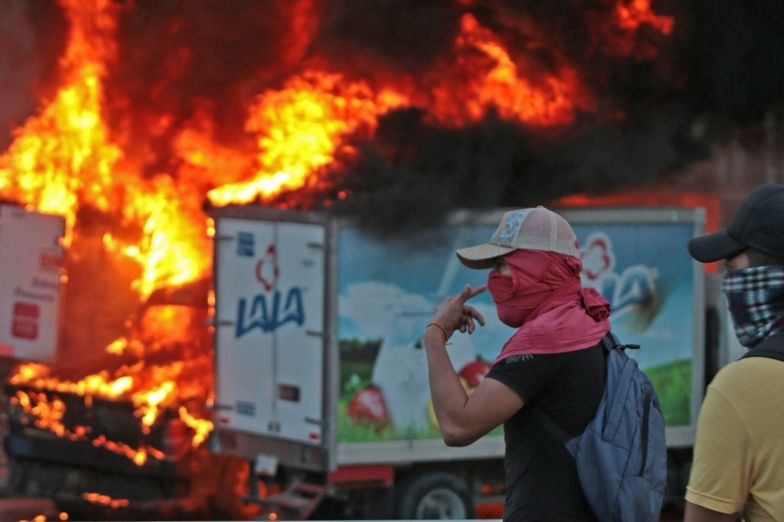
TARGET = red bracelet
x,y
441,329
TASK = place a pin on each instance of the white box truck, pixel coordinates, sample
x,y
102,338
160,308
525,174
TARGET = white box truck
x,y
31,257
321,380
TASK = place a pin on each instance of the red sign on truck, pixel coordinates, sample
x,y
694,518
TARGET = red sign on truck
x,y
24,323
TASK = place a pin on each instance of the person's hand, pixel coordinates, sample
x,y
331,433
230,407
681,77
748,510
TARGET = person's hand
x,y
455,314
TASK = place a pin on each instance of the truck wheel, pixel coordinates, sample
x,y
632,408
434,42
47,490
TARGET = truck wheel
x,y
232,486
434,495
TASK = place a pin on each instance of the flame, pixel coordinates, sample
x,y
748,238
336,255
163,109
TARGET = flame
x,y
106,500
621,36
149,401
41,518
632,14
164,324
494,80
67,159
299,129
62,158
170,252
149,387
48,413
205,160
99,384
201,427
137,455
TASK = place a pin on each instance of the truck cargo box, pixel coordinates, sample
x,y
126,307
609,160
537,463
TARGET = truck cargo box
x,y
319,361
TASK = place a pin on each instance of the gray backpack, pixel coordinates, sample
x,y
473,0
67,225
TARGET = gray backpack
x,y
621,455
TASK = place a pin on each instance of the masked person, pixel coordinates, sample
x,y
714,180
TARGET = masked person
x,y
554,360
738,464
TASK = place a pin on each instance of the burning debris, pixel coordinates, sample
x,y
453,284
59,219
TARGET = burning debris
x,y
385,110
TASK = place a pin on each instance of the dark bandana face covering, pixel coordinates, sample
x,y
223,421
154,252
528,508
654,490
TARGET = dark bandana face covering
x,y
756,302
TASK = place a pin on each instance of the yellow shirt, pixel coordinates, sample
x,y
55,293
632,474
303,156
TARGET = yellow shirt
x,y
739,453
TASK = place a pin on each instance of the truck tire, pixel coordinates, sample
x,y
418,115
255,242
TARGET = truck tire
x,y
434,495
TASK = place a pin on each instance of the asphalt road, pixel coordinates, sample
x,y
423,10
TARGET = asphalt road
x,y
43,510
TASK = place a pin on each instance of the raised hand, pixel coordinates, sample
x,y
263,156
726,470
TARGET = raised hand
x,y
455,314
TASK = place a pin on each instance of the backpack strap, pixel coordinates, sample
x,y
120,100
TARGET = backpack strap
x,y
549,425
610,341
772,348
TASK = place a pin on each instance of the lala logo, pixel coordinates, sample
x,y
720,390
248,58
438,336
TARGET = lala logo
x,y
633,288
268,310
597,256
267,269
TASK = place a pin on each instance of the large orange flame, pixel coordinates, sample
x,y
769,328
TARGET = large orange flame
x,y
299,129
62,158
495,81
66,159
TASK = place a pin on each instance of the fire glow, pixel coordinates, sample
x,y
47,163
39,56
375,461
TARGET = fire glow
x,y
105,500
66,159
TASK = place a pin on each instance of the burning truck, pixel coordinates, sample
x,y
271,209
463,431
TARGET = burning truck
x,y
94,431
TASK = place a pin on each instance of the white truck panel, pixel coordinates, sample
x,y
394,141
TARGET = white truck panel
x,y
31,261
270,280
299,360
404,452
244,353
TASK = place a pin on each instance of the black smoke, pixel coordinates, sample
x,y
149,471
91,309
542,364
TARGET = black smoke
x,y
32,35
721,70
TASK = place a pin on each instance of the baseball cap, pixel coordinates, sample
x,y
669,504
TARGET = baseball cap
x,y
528,228
758,224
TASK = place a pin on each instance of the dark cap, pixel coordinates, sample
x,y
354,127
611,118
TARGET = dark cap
x,y
758,224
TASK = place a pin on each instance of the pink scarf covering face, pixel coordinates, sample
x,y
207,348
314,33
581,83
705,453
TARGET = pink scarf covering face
x,y
544,297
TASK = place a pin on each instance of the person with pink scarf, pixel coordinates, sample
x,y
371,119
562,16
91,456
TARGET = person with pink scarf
x,y
553,360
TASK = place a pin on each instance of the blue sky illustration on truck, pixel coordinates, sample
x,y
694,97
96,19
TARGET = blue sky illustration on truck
x,y
388,289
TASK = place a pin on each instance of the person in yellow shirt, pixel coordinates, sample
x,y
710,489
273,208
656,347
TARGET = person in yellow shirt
x,y
738,466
